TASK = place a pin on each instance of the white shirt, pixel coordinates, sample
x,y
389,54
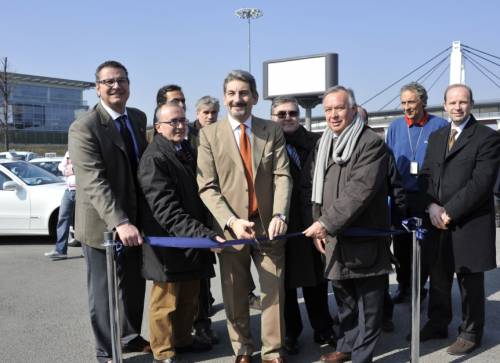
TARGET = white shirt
x,y
235,126
460,127
67,168
114,115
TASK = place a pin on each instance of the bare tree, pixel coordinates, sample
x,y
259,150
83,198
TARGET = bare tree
x,y
5,91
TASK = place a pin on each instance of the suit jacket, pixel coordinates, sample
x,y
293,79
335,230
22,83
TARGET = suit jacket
x,y
221,177
173,209
461,181
106,191
355,195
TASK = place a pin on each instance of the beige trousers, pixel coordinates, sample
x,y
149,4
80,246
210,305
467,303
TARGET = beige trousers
x,y
269,259
172,308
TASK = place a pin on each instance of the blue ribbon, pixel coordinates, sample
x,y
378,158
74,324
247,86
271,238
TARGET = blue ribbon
x,y
187,242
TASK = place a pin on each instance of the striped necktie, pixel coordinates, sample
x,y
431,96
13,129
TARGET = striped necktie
x,y
451,139
294,155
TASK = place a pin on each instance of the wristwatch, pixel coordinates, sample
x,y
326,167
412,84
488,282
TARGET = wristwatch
x,y
280,216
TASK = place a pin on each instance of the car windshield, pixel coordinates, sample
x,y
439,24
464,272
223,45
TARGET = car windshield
x,y
50,166
31,174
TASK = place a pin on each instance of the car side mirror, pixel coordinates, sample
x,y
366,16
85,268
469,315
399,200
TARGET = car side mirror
x,y
10,186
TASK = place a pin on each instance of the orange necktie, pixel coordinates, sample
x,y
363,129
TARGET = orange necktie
x,y
246,156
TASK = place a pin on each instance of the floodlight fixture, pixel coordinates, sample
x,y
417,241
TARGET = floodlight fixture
x,y
249,14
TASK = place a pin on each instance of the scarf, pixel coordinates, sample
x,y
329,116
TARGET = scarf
x,y
341,154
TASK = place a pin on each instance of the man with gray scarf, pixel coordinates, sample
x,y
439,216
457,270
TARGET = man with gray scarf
x,y
349,189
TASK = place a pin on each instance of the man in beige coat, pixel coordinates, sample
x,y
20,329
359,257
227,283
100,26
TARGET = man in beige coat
x,y
244,180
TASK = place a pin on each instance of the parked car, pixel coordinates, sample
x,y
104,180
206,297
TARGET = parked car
x,y
49,163
29,198
23,155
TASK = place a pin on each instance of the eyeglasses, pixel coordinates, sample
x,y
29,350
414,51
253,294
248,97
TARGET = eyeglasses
x,y
110,82
286,114
175,122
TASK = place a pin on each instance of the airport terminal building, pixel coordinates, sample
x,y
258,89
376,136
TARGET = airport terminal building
x,y
41,103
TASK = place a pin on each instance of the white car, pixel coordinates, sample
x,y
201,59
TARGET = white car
x,y
23,155
49,163
29,199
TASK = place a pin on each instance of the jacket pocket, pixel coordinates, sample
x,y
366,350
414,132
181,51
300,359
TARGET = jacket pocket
x,y
358,253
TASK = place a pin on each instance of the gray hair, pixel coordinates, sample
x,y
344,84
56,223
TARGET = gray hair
x,y
166,104
284,99
350,94
244,76
207,101
457,85
416,88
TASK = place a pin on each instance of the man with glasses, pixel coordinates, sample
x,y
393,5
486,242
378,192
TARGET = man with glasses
x,y
303,264
244,180
105,145
174,209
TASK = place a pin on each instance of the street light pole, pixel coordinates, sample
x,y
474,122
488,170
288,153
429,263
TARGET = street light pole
x,y
249,14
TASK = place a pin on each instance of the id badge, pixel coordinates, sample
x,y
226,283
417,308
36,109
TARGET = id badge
x,y
414,168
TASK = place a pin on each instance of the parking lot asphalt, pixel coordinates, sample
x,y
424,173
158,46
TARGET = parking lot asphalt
x,y
44,315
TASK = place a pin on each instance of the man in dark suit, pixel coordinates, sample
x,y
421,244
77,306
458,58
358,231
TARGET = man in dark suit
x,y
303,263
105,145
167,175
349,189
456,182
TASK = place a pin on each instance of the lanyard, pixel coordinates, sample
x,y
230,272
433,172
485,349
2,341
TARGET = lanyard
x,y
414,152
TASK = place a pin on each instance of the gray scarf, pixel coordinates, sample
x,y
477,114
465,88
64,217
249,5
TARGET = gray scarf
x,y
342,152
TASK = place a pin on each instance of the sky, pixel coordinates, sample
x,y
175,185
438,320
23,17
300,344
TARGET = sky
x,y
196,43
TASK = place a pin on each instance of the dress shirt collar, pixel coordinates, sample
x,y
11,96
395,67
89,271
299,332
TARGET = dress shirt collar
x,y
460,127
114,115
420,122
235,124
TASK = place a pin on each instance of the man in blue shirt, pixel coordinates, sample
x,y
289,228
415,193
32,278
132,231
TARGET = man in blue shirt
x,y
407,138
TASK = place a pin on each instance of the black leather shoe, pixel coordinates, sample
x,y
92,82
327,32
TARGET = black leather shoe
x,y
428,333
138,345
196,346
207,334
291,345
401,296
326,337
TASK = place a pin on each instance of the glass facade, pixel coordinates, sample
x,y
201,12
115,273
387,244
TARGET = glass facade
x,y
46,104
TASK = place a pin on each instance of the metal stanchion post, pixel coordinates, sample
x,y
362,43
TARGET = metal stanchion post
x,y
114,314
414,225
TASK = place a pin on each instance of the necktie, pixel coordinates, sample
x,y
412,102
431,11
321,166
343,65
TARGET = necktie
x,y
246,156
451,140
129,143
294,155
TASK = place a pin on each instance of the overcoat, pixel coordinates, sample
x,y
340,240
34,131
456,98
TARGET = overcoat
x,y
304,265
172,209
355,195
462,181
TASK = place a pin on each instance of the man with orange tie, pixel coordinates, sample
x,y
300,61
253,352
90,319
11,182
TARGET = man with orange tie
x,y
244,180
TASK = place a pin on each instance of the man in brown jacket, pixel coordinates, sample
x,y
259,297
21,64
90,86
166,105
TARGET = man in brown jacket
x,y
105,145
349,189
